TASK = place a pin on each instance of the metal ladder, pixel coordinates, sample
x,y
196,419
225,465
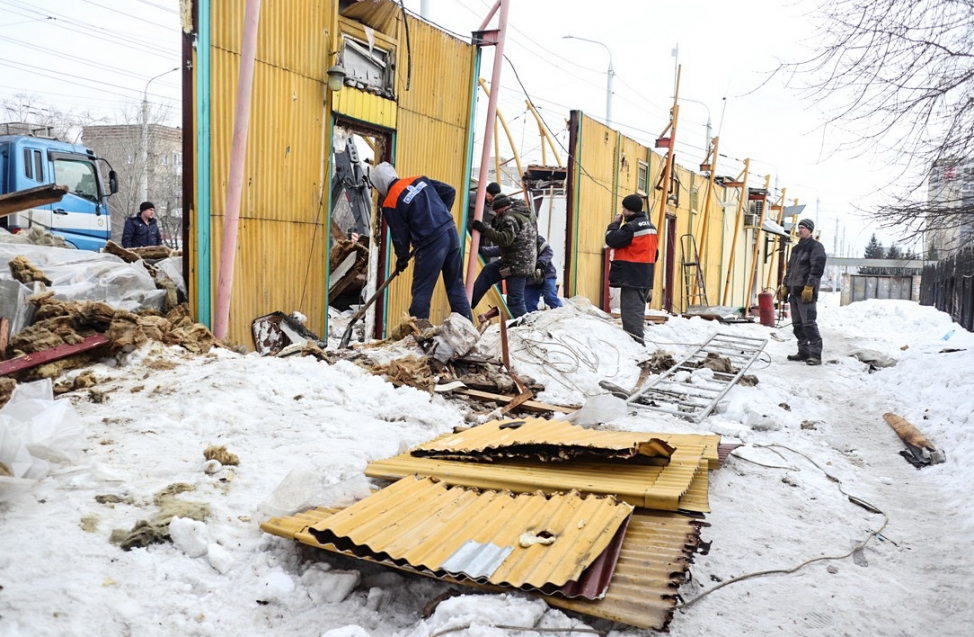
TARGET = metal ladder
x,y
695,288
678,392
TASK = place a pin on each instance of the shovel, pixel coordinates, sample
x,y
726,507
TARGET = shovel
x,y
347,336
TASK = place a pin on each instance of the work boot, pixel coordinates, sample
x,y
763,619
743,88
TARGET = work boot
x,y
813,361
798,357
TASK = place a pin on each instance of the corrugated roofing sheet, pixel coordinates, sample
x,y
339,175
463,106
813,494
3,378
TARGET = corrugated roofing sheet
x,y
542,439
656,553
532,541
652,487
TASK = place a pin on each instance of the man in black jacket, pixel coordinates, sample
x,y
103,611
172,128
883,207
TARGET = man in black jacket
x,y
141,230
805,269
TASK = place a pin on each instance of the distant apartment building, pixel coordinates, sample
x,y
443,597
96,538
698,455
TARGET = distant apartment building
x,y
951,188
160,173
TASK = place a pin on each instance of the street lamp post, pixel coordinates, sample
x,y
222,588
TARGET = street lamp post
x,y
706,146
608,83
144,181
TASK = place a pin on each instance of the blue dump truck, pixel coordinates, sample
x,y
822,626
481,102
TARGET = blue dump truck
x,y
81,217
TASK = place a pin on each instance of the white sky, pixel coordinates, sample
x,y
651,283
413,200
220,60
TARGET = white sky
x,y
304,431
98,55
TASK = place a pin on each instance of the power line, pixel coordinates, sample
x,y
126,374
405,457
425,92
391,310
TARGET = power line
x,y
92,31
39,70
135,17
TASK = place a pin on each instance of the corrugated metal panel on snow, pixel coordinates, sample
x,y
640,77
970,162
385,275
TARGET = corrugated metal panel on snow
x,y
655,555
640,485
542,439
527,540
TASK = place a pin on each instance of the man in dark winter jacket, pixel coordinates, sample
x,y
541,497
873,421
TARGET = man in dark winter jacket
x,y
634,242
802,280
545,279
417,210
141,230
514,231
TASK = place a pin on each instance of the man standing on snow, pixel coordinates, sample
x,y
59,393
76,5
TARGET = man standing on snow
x,y
514,231
634,252
417,210
802,280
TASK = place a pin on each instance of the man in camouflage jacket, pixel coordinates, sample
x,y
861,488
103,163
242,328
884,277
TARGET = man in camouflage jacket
x,y
514,230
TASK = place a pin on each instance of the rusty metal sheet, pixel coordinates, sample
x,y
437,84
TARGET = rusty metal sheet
x,y
652,487
530,541
542,439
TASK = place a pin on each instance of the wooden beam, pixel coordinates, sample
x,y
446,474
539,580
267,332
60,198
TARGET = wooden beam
x,y
24,199
57,352
530,405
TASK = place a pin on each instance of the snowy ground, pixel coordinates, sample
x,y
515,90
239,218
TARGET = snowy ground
x,y
304,431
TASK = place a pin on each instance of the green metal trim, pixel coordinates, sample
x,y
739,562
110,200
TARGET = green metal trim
x,y
578,177
204,275
388,255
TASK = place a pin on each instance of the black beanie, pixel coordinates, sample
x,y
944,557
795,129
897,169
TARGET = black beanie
x,y
501,201
145,205
808,223
493,189
633,203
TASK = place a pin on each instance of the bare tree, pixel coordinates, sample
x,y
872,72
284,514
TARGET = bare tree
x,y
899,75
64,125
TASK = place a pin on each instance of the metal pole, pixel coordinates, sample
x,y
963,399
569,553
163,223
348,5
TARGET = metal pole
x,y
144,154
238,154
495,84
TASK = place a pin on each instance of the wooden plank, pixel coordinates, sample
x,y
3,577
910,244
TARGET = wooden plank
x,y
55,353
24,199
530,405
4,335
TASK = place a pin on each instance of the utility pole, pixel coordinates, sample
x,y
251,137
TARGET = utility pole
x,y
144,181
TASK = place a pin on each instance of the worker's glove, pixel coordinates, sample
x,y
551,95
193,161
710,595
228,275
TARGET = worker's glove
x,y
807,294
783,293
478,225
401,264
538,277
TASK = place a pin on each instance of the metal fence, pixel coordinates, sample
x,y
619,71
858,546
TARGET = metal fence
x,y
949,286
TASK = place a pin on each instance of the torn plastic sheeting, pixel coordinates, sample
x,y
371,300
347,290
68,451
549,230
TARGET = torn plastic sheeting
x,y
80,275
35,430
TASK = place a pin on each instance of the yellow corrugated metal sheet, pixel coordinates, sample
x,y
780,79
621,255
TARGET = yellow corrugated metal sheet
x,y
652,487
281,266
595,206
291,35
656,553
280,246
366,107
526,540
543,439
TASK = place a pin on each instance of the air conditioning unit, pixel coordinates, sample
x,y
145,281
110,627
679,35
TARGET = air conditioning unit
x,y
753,216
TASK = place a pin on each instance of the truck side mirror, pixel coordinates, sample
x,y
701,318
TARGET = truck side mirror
x,y
112,182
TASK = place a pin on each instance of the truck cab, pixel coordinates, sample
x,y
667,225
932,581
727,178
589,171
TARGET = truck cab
x,y
82,217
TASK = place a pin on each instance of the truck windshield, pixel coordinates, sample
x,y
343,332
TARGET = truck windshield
x,y
78,176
